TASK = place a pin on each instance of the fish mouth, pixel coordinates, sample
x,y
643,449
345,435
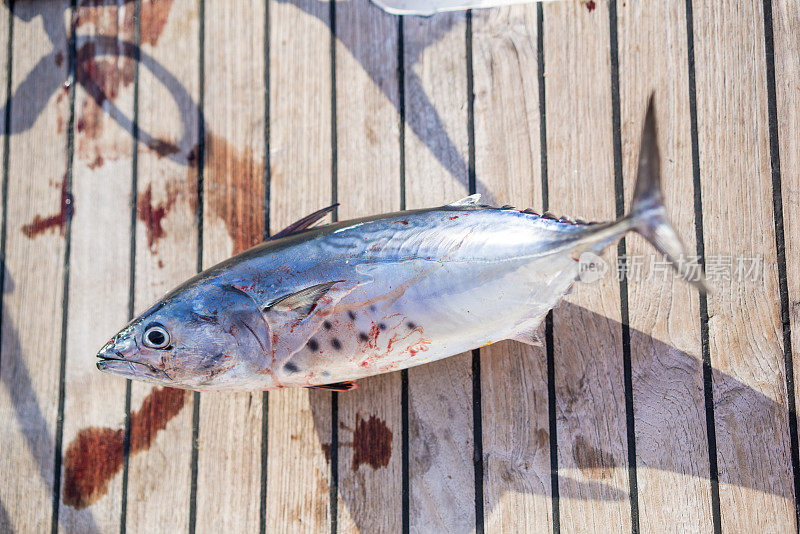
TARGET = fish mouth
x,y
116,363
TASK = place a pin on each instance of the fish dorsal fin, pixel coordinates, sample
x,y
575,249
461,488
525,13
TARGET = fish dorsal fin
x,y
301,302
303,223
472,200
337,386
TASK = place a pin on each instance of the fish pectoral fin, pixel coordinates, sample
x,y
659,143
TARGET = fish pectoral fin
x,y
301,302
337,386
303,223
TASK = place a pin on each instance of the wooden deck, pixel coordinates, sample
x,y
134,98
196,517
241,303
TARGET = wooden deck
x,y
144,140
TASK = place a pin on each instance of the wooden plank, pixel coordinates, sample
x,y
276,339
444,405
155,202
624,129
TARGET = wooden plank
x,y
94,403
756,489
666,358
298,473
34,266
785,24
592,443
166,254
368,182
229,440
516,447
441,486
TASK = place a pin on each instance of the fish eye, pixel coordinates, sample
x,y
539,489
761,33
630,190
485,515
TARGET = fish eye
x,y
155,336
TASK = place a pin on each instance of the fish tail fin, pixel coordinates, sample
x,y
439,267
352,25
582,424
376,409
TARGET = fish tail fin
x,y
648,216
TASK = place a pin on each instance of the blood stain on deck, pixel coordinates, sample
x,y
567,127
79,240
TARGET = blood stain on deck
x,y
152,215
235,190
154,15
592,461
95,455
372,443
41,224
104,77
162,148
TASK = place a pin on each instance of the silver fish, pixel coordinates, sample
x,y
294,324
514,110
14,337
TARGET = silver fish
x,y
325,306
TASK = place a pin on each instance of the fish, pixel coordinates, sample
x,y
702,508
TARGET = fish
x,y
323,306
427,7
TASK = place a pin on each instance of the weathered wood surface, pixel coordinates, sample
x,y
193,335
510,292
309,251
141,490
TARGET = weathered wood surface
x,y
368,182
94,404
746,342
441,483
301,163
380,119
671,441
785,25
508,168
230,426
590,397
33,266
159,473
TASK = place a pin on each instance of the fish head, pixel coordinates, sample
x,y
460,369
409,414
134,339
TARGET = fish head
x,y
199,337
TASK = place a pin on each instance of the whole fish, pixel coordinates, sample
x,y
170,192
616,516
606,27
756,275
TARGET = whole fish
x,y
325,306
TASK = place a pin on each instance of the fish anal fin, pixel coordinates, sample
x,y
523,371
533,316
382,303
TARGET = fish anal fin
x,y
337,386
529,331
303,223
530,337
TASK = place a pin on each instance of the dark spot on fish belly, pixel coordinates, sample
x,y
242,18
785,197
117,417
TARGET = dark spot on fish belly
x,y
411,325
96,454
312,344
290,367
352,315
372,443
326,325
336,344
372,307
363,337
382,326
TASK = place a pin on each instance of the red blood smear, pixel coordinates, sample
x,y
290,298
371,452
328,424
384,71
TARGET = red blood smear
x,y
41,224
152,215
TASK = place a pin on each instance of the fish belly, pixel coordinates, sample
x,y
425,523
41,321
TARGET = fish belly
x,y
416,311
